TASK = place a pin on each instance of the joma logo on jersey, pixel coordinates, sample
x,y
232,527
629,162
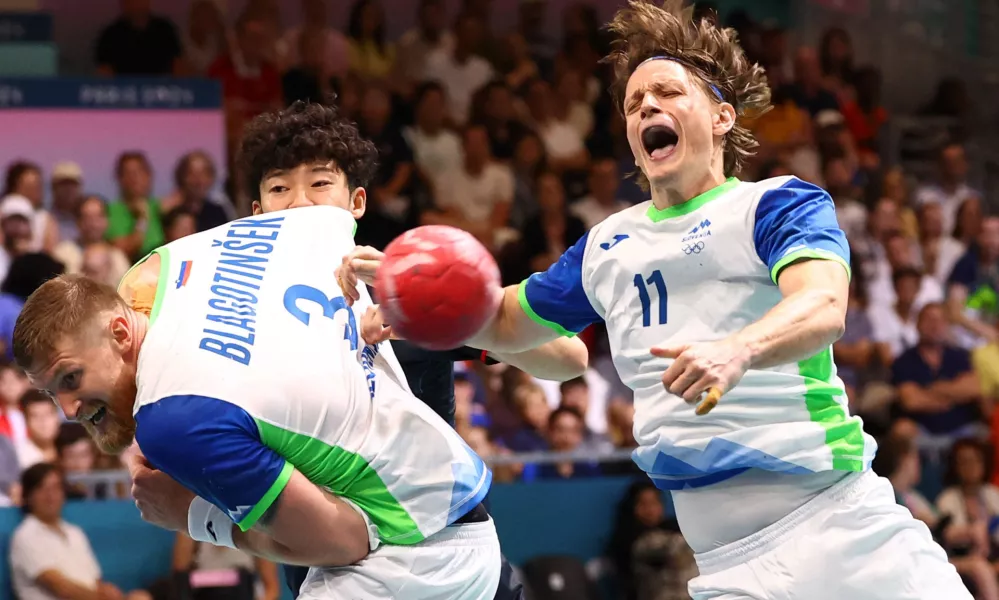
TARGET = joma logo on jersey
x,y
701,230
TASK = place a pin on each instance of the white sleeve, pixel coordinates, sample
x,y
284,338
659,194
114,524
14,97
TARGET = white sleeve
x,y
504,183
949,503
29,555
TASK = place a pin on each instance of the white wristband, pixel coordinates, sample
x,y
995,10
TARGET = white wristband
x,y
207,523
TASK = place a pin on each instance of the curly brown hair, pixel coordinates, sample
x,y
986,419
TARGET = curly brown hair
x,y
301,134
645,30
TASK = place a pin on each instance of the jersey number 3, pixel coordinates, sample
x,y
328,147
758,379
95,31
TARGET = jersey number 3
x,y
329,306
643,284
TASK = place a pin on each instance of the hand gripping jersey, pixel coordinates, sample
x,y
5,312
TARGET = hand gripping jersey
x,y
699,272
253,367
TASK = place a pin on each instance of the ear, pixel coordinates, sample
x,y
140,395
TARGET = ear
x,y
257,208
358,202
724,119
121,333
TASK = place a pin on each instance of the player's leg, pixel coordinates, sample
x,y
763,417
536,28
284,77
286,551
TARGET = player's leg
x,y
461,561
852,541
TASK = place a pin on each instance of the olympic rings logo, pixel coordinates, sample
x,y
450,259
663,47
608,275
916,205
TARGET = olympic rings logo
x,y
693,248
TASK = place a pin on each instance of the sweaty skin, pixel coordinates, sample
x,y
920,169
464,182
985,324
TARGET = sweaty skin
x,y
138,286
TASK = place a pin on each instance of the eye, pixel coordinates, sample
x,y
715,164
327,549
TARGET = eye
x,y
322,183
71,380
277,189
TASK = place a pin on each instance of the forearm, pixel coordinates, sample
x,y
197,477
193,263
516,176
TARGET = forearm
x,y
963,389
511,331
559,360
65,588
262,545
803,324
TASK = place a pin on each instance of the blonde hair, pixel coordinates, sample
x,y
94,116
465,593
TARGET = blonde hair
x,y
61,307
647,30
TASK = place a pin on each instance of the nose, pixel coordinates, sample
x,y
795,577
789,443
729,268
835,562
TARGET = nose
x,y
301,199
70,405
650,105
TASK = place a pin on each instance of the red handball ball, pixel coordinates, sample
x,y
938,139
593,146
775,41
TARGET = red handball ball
x,y
437,286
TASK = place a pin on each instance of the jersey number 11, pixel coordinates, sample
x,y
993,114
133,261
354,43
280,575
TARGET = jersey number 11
x,y
643,283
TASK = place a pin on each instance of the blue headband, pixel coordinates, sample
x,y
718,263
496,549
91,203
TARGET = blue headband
x,y
713,87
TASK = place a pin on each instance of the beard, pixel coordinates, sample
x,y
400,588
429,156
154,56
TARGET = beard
x,y
116,431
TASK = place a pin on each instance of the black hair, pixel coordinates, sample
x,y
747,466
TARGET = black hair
x,y
32,397
565,410
426,88
574,382
32,478
903,272
185,163
301,134
891,452
69,434
170,219
128,155
951,477
15,172
28,272
78,209
354,24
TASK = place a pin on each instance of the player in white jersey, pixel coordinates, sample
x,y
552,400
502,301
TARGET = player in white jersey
x,y
253,386
722,289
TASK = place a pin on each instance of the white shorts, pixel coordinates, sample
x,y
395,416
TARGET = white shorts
x,y
461,562
851,542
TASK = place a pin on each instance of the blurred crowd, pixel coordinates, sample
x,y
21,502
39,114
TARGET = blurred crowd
x,y
512,136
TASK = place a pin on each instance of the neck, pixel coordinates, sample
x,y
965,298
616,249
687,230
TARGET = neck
x,y
929,346
133,200
431,35
50,520
675,192
461,55
474,167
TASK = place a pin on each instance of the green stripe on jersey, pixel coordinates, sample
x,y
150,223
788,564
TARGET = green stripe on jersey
x,y
161,283
844,435
526,305
806,253
345,474
267,501
656,215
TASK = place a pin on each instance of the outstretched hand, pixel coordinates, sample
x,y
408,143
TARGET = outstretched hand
x,y
360,264
706,367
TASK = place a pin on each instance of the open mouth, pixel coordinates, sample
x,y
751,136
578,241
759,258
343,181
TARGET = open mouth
x,y
98,416
659,141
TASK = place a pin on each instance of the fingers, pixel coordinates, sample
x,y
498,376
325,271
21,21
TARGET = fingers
x,y
373,328
668,351
711,401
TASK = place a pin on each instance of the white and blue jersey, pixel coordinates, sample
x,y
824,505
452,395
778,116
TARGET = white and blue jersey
x,y
252,367
699,272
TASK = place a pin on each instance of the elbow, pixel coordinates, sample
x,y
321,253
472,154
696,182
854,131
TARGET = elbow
x,y
832,309
577,359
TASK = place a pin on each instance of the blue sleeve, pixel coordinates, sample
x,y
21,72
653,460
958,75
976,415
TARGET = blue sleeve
x,y
798,220
213,448
555,298
963,272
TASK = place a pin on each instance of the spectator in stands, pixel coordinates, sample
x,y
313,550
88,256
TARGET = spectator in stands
x,y
67,186
571,106
575,394
973,289
851,214
898,460
894,325
251,83
272,48
15,224
27,273
24,180
602,201
92,226
41,420
430,36
98,264
952,100
179,223
895,187
390,204
460,70
856,351
234,573
10,474
194,178
494,108
50,558
517,66
836,57
951,187
139,43
937,387
370,54
565,434
969,221
563,144
809,90
77,455
529,161
864,114
532,26
970,502
940,252
205,39
653,561
134,221
436,149
309,80
901,253
328,51
547,235
532,408
13,384
477,196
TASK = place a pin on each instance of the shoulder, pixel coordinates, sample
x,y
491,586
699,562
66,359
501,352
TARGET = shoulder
x,y
617,225
26,530
949,496
138,286
785,189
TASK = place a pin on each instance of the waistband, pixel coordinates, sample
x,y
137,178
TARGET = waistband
x,y
469,534
479,514
719,559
